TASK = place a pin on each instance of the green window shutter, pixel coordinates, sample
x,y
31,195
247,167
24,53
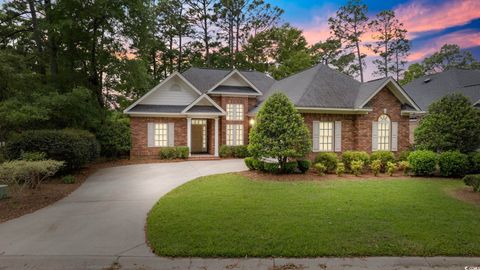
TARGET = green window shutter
x,y
315,135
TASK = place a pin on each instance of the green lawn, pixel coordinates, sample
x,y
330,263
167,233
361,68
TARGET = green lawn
x,y
230,215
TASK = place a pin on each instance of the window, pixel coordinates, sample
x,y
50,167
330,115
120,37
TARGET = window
x,y
234,134
160,135
325,136
384,132
235,112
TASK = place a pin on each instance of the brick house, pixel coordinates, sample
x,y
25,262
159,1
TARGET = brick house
x,y
206,108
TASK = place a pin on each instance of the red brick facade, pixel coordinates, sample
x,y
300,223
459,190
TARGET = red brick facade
x,y
356,128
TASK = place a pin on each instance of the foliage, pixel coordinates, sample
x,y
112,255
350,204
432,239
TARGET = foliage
x,y
279,131
304,165
422,162
68,179
349,156
391,168
76,147
290,167
272,167
403,156
414,71
33,156
472,180
357,167
450,56
249,162
404,166
328,159
237,151
258,164
114,136
474,162
340,169
330,53
28,173
320,168
453,163
452,123
384,157
173,152
2,154
376,166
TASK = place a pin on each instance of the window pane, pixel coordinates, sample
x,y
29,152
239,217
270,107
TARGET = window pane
x,y
325,138
234,111
384,132
160,135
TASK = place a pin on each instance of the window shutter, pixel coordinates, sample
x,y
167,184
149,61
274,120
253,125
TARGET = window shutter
x,y
150,134
315,135
171,134
394,136
338,136
374,136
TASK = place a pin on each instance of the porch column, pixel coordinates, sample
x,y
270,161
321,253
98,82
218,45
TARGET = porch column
x,y
189,136
216,137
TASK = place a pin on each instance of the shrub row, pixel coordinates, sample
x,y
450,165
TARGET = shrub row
x,y
297,166
238,151
26,173
449,163
173,152
473,180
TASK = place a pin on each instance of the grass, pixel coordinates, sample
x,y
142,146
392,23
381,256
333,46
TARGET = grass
x,y
230,215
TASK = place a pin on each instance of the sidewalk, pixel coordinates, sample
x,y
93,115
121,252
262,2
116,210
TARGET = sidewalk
x,y
162,263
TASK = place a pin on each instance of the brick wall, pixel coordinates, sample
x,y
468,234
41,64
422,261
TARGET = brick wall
x,y
248,103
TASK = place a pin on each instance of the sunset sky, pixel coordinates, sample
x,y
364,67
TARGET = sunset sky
x,y
431,23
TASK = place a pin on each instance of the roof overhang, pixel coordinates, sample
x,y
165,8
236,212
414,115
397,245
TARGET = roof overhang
x,y
326,110
412,113
259,93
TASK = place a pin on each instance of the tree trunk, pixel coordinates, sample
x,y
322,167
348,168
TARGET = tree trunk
x,y
52,42
94,76
36,35
205,34
359,55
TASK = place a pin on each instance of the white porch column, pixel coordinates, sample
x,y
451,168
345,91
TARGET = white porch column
x,y
189,135
216,137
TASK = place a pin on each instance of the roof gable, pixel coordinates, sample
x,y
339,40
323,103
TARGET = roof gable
x,y
235,78
202,105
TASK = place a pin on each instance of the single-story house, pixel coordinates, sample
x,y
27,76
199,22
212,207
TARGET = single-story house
x,y
205,108
427,89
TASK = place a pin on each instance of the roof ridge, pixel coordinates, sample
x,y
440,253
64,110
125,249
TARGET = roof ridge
x,y
225,69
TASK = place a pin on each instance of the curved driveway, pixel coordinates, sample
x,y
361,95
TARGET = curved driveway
x,y
106,215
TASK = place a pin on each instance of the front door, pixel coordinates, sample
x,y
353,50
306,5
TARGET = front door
x,y
199,136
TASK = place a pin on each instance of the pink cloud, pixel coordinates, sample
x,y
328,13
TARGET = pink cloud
x,y
421,17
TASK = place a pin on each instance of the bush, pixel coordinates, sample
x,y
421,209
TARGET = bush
x,y
403,156
404,166
238,151
28,173
349,156
422,162
68,179
473,180
357,167
384,157
225,151
76,147
474,162
391,168
376,166
453,163
328,159
304,165
114,137
2,154
340,168
33,156
320,168
290,167
249,163
271,167
258,164
173,152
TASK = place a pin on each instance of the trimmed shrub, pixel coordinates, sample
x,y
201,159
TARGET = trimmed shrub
x,y
114,137
28,173
173,152
304,165
357,167
404,166
68,179
225,151
258,164
453,163
182,152
384,157
249,163
422,162
328,159
238,151
391,168
271,167
349,156
33,156
474,162
76,147
403,156
376,166
290,167
340,168
473,180
320,168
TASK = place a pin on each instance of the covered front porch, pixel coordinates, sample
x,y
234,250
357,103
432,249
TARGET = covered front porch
x,y
203,136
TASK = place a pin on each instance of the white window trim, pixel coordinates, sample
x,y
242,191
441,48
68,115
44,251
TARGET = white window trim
x,y
235,112
384,126
234,140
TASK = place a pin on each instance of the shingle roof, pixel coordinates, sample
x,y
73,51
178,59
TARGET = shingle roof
x,y
427,89
234,89
204,79
203,109
142,108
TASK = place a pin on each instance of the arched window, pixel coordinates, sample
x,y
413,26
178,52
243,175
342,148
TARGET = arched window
x,y
384,132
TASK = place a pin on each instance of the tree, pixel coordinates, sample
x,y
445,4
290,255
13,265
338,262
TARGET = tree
x,y
413,72
330,53
452,123
348,26
391,44
450,56
279,131
202,15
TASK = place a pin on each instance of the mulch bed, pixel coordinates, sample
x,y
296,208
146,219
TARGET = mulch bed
x,y
28,200
466,194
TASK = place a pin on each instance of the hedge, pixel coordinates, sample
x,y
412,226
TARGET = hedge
x,y
384,157
422,162
26,173
173,152
238,151
328,159
349,156
453,163
76,147
473,180
474,162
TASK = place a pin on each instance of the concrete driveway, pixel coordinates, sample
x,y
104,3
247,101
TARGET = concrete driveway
x,y
106,215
